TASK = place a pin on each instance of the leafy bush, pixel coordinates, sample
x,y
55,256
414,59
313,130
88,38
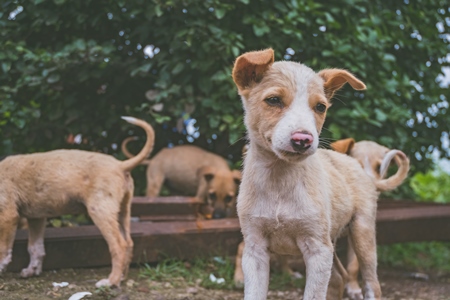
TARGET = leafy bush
x,y
74,67
416,256
432,186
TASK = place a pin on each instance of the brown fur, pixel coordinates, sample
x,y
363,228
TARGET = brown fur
x,y
195,172
299,201
42,185
371,156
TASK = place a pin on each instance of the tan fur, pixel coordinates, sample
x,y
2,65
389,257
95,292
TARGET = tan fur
x,y
371,156
42,185
299,201
195,172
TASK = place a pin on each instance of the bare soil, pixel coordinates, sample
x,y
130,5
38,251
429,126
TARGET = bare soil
x,y
396,284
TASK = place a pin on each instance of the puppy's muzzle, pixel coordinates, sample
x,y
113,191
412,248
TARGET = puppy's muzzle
x,y
219,214
301,141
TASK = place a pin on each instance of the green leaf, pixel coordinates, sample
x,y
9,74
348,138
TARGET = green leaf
x,y
178,68
158,11
220,13
260,29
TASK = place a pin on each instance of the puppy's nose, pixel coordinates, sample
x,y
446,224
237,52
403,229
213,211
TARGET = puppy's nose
x,y
301,140
219,214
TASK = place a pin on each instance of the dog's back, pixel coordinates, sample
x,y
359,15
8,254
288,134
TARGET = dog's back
x,y
63,177
181,163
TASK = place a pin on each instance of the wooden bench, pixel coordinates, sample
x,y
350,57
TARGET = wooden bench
x,y
168,229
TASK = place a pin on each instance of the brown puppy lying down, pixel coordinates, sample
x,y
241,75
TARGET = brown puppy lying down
x,y
295,198
375,160
49,184
194,172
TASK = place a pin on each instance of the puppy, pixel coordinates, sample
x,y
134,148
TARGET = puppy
x,y
193,171
42,185
375,160
295,198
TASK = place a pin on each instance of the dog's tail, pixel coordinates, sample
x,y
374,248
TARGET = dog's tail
x,y
395,180
133,161
128,153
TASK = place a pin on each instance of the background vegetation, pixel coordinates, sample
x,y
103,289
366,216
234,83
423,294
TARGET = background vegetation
x,y
72,68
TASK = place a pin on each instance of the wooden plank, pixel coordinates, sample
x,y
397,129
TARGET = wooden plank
x,y
413,230
84,246
143,206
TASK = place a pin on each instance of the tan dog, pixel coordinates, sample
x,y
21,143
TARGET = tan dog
x,y
42,185
296,198
375,160
193,171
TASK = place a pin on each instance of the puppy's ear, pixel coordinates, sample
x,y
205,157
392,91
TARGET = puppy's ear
x,y
251,66
237,176
336,78
206,172
343,146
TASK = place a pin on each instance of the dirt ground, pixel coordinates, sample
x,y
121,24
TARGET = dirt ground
x,y
395,284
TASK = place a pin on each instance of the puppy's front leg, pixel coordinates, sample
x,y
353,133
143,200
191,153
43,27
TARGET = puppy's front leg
x,y
36,228
318,256
256,267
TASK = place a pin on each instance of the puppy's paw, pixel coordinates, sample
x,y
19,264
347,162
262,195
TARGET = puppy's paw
x,y
239,283
354,292
296,275
30,271
103,282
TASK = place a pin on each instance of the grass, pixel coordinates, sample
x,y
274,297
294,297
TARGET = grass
x,y
198,271
424,256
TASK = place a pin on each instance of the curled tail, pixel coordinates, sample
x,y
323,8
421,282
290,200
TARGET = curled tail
x,y
395,180
133,161
128,153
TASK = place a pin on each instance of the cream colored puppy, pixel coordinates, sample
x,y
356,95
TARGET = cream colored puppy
x,y
296,198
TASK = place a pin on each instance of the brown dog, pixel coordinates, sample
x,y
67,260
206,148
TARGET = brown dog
x,y
295,198
375,160
193,171
42,185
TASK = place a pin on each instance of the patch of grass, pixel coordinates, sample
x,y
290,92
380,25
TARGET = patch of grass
x,y
422,256
198,271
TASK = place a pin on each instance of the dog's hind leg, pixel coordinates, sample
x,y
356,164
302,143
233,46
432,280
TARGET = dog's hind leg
x,y
104,213
352,287
362,231
124,225
9,219
155,180
36,228
238,273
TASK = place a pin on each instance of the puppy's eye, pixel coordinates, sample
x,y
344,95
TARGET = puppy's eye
x,y
274,101
320,107
228,199
212,196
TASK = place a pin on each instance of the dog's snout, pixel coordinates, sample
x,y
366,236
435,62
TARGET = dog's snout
x,y
219,214
301,140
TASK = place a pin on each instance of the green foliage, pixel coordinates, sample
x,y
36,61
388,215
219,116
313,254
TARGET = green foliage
x,y
416,256
432,186
74,67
